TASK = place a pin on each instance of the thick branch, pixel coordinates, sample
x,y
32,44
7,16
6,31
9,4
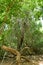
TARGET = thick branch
x,y
13,51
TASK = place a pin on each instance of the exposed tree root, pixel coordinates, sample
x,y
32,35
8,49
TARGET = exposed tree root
x,y
31,51
15,52
25,58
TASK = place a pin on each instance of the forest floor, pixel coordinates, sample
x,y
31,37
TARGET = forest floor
x,y
34,60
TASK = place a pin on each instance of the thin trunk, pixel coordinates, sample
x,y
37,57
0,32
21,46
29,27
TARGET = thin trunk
x,y
21,38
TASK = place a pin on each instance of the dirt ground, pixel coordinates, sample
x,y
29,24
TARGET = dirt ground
x,y
34,60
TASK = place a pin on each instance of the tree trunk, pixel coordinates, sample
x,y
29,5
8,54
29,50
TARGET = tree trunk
x,y
22,37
